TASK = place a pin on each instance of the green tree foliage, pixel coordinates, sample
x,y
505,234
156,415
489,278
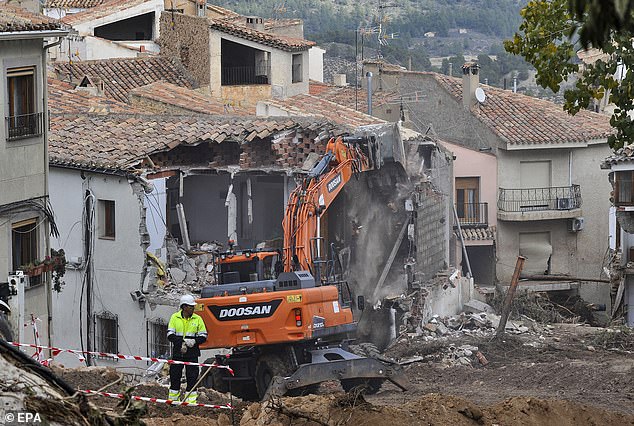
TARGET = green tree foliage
x,y
547,39
598,18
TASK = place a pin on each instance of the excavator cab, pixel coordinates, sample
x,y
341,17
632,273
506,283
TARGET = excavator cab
x,y
246,266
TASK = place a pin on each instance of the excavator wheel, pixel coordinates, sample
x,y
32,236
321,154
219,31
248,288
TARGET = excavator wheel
x,y
268,366
213,379
366,386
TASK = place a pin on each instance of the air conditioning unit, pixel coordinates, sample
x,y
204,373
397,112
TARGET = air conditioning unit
x,y
576,224
564,203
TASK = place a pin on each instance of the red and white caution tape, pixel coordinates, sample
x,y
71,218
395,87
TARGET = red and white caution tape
x,y
156,400
57,351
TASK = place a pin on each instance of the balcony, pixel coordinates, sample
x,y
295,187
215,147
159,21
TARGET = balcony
x,y
24,126
235,76
557,202
473,215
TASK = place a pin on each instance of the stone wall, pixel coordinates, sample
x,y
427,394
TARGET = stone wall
x,y
187,39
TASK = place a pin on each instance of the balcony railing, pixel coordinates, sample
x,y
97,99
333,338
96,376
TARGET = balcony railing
x,y
234,76
536,199
24,126
473,214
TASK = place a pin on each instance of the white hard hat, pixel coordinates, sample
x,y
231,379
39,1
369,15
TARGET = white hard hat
x,y
187,299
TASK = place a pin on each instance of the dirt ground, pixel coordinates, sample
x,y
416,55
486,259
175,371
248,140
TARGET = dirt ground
x,y
561,375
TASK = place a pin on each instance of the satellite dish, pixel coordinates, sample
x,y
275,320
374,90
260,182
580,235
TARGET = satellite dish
x,y
479,94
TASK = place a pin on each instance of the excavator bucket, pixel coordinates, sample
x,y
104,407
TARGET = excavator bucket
x,y
389,143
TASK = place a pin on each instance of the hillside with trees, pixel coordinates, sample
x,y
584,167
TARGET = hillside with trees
x,y
413,31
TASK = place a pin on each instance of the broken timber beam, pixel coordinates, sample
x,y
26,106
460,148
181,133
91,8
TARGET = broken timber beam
x,y
562,278
506,309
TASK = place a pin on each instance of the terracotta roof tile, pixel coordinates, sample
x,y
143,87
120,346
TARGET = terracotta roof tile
x,y
14,18
72,4
63,98
348,96
622,155
524,120
187,99
120,76
88,140
289,44
479,234
309,105
102,10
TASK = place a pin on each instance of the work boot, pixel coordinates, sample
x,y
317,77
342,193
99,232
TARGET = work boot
x,y
174,395
192,398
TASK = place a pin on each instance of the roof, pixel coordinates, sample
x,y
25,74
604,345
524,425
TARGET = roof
x,y
122,75
104,9
63,98
622,155
90,140
72,4
309,105
14,19
187,99
523,120
289,44
348,96
479,234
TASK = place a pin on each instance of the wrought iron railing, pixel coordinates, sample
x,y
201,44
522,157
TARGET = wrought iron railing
x,y
24,126
535,199
473,214
234,76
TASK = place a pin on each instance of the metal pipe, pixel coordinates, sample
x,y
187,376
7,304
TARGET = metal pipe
x,y
464,248
368,75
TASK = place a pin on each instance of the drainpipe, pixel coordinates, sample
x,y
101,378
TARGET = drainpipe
x,y
47,231
368,75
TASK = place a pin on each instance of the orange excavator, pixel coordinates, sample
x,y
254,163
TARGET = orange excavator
x,y
287,314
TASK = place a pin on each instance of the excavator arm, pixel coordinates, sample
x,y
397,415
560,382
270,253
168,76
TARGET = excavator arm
x,y
345,157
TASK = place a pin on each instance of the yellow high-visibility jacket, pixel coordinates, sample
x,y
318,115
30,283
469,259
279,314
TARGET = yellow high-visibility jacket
x,y
180,328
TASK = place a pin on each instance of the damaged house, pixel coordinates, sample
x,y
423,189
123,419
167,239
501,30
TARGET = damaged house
x,y
549,206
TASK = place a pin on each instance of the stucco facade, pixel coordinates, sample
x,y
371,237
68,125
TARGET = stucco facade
x,y
24,172
112,269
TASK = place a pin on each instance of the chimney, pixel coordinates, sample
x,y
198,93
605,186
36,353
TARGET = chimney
x,y
255,22
339,80
470,81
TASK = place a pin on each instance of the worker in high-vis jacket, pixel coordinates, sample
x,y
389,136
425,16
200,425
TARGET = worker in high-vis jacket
x,y
186,331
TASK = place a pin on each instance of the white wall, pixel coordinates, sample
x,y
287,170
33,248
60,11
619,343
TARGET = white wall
x,y
316,58
156,6
117,263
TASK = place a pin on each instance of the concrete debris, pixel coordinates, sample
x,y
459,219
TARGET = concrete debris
x,y
178,276
475,306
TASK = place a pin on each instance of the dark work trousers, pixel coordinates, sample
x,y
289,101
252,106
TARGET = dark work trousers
x,y
191,373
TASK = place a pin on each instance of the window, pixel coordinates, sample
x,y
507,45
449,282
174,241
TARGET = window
x,y
107,333
158,345
24,246
297,68
22,119
467,199
106,219
624,189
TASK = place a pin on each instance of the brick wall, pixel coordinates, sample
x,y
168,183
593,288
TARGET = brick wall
x,y
187,39
288,152
431,227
